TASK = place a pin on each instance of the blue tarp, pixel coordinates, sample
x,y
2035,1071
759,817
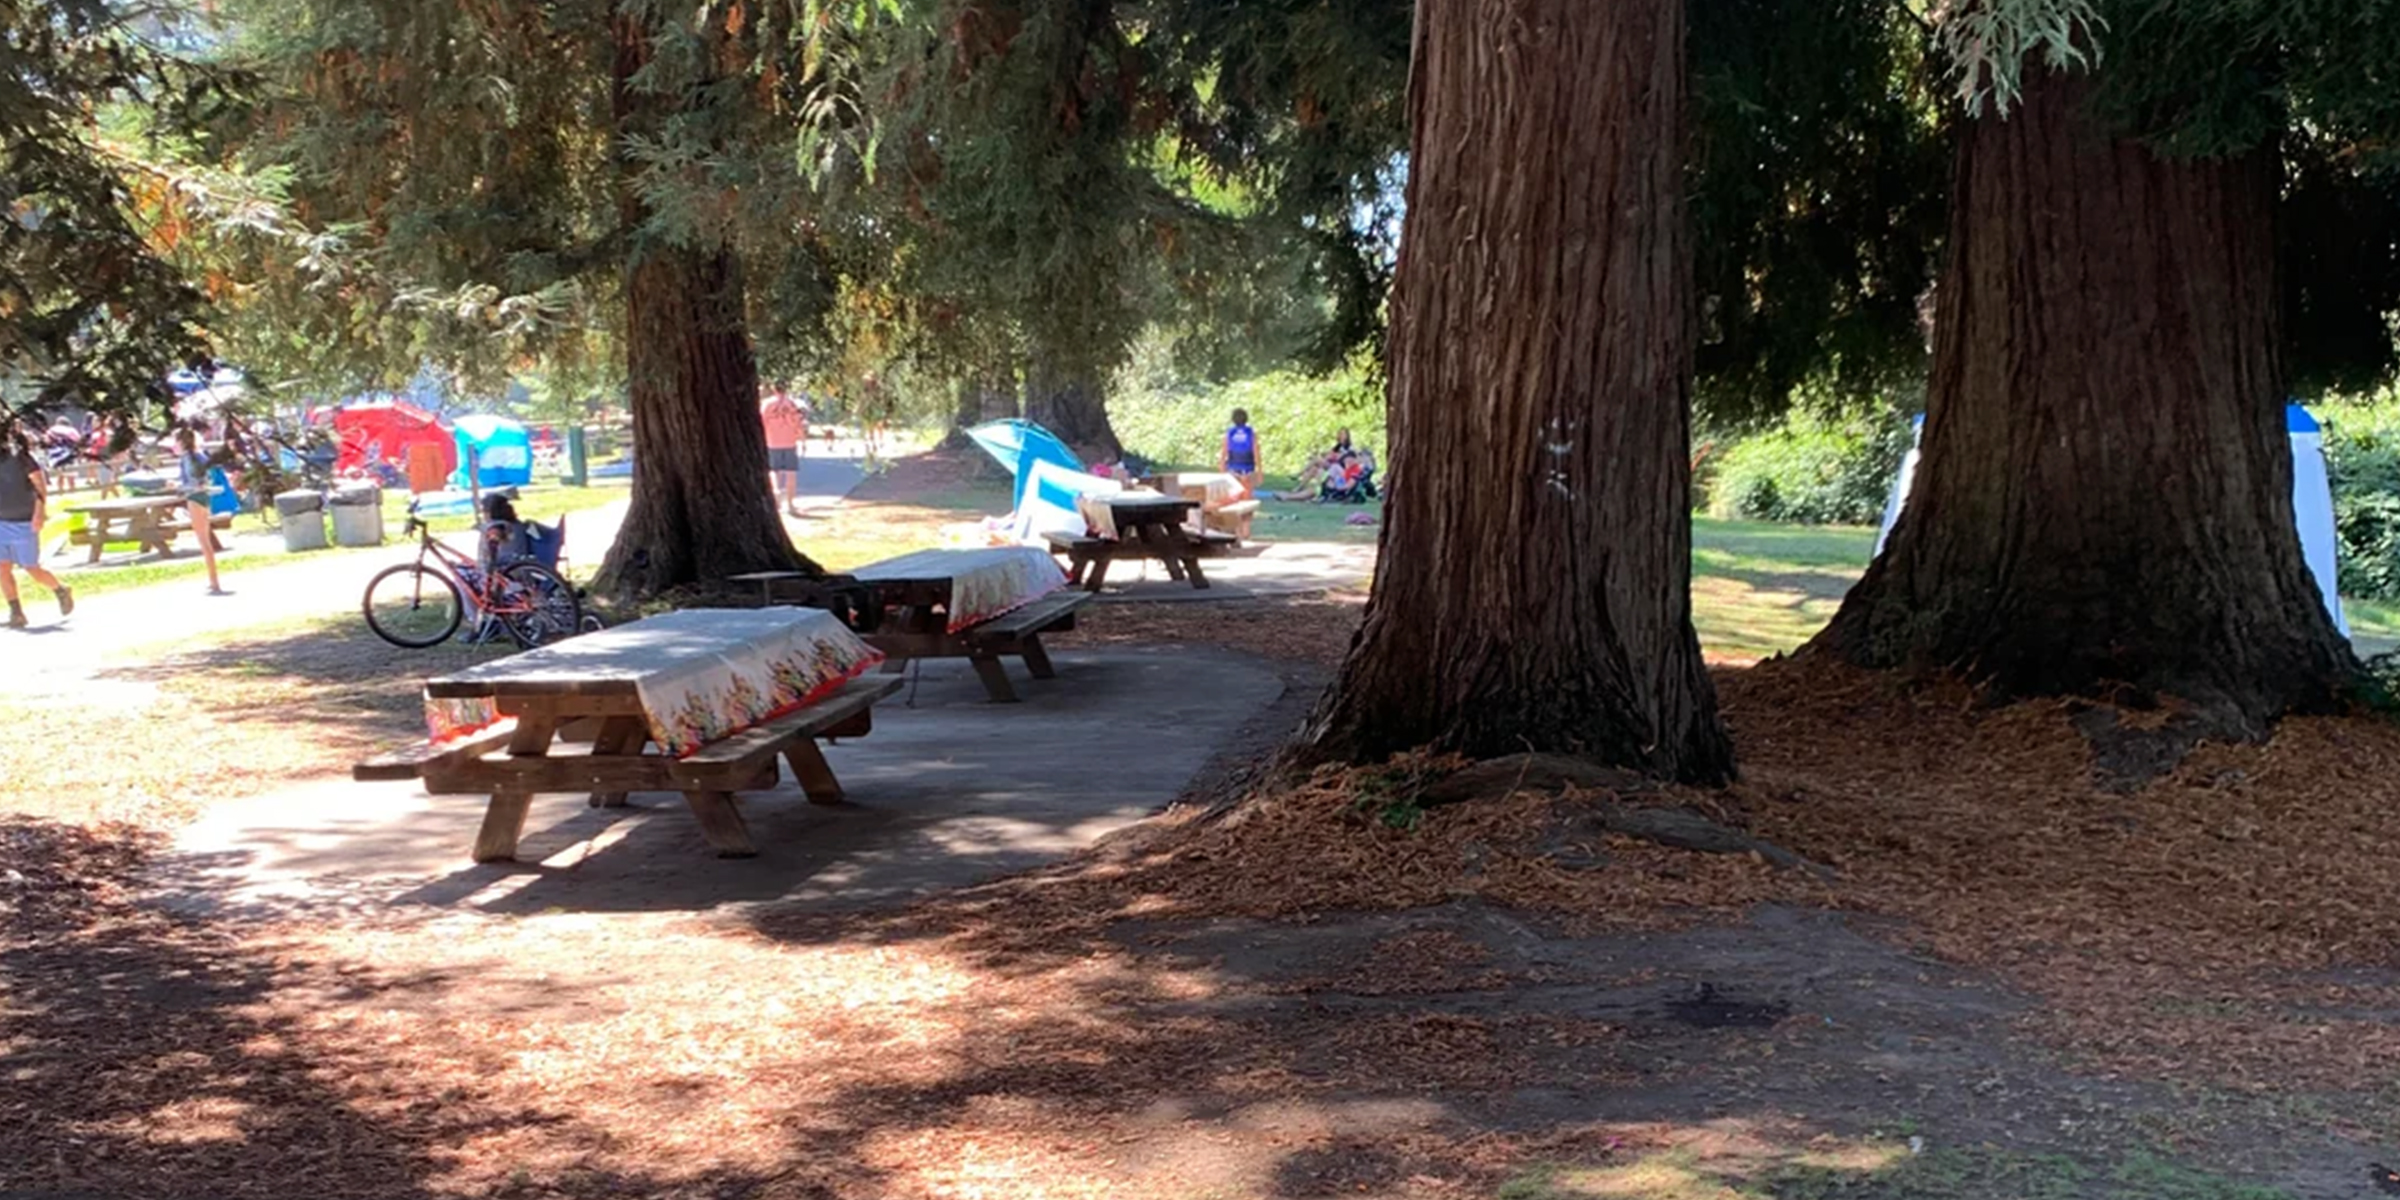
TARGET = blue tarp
x,y
501,449
1020,444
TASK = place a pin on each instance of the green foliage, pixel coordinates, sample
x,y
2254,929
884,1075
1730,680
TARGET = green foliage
x,y
90,312
2362,455
1989,42
1819,168
1296,416
1809,471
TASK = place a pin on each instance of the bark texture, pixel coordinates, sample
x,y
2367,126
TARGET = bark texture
x,y
2104,496
1074,408
979,400
703,507
1532,593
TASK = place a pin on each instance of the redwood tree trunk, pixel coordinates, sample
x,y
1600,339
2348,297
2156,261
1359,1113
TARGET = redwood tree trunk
x,y
1074,408
702,504
2105,494
979,400
1533,587
703,507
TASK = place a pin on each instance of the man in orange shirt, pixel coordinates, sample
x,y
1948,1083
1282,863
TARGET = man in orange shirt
x,y
785,427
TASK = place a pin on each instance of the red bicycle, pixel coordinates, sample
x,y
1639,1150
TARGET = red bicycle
x,y
422,603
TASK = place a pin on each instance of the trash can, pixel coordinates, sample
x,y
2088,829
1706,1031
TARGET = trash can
x,y
303,516
579,461
358,516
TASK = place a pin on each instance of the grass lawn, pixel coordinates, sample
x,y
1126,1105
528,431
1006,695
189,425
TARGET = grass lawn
x,y
256,541
1758,588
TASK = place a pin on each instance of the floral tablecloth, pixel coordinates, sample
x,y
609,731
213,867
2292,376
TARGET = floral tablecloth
x,y
983,583
701,674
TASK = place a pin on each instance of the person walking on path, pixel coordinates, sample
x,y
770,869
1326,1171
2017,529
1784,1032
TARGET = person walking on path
x,y
24,506
785,426
196,490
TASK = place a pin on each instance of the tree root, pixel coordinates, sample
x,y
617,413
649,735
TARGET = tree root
x,y
1681,828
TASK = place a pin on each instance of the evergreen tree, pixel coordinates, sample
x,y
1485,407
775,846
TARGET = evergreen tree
x,y
635,158
91,312
1533,590
2104,499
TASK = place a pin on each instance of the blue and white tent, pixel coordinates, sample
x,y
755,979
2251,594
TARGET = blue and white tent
x,y
2312,504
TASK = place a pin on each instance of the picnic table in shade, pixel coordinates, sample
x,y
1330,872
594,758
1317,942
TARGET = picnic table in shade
x,y
974,604
1134,524
701,701
151,521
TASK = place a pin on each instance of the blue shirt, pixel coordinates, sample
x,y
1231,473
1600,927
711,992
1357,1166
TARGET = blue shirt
x,y
1241,448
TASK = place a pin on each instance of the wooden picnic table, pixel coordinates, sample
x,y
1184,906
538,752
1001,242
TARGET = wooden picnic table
x,y
149,520
684,702
979,605
1133,525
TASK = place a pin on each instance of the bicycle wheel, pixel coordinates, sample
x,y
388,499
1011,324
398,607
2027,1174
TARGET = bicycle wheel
x,y
536,606
413,606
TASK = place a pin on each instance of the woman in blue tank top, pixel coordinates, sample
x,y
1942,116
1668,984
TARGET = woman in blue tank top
x,y
1240,455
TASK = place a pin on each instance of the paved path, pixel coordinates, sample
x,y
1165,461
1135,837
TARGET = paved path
x,y
948,789
54,655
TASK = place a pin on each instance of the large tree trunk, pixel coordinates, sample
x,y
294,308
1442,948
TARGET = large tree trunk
x,y
702,504
1074,408
2104,498
1533,590
987,399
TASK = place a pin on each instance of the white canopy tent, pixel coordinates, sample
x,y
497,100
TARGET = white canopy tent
x,y
2312,504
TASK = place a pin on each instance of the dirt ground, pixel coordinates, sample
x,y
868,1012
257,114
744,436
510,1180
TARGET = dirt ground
x,y
2021,977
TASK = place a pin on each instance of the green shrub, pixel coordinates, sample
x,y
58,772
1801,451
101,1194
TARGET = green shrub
x,y
2362,454
1809,472
1295,416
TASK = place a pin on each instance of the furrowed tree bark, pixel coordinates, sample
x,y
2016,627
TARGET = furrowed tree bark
x,y
703,507
1073,407
1533,588
979,400
2104,495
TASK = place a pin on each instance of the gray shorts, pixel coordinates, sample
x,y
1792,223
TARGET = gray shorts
x,y
19,544
783,458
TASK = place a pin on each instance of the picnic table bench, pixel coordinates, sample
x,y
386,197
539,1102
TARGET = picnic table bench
x,y
626,697
935,605
154,522
1146,527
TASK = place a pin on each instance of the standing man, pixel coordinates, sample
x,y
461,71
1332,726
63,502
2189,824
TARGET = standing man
x,y
785,426
24,505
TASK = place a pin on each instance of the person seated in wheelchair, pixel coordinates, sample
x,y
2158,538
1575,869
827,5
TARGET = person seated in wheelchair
x,y
508,538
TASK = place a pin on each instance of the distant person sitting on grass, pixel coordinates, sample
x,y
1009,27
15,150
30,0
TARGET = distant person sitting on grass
x,y
24,505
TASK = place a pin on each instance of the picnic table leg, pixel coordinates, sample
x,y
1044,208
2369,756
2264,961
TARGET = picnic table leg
x,y
504,817
995,678
98,528
1099,573
1191,567
813,772
722,824
1037,660
1157,539
619,736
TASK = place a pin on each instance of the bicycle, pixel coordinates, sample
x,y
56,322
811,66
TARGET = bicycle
x,y
419,604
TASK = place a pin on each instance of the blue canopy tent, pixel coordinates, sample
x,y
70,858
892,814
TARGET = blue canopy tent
x,y
1020,444
500,449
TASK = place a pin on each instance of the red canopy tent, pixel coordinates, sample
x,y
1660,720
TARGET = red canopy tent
x,y
384,431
